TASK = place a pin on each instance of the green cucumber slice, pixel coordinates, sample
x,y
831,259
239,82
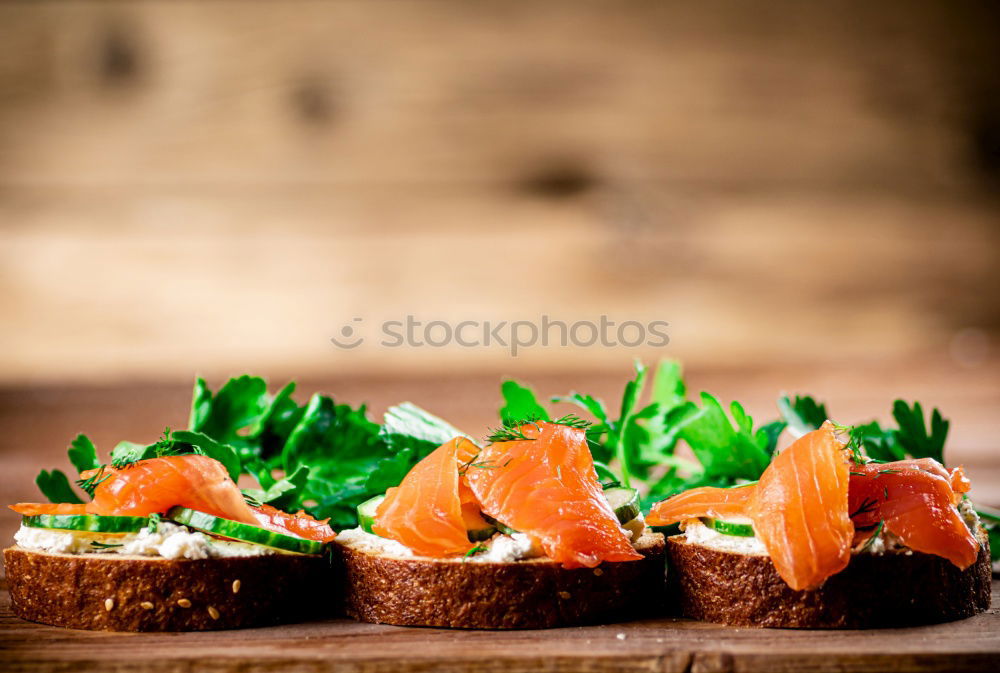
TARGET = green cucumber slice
x,y
366,519
625,502
366,513
502,527
243,532
481,533
90,523
730,527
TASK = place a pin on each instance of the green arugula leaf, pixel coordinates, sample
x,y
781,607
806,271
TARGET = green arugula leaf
x,y
83,454
55,486
803,415
389,472
275,425
520,404
342,448
407,426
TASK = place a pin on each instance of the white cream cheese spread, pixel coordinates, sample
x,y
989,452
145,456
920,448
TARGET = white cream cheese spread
x,y
169,541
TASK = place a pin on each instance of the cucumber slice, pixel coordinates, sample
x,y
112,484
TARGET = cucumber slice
x,y
730,527
366,519
243,532
502,527
366,513
625,502
87,522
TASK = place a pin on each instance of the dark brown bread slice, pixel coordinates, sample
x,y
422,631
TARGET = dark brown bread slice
x,y
892,589
108,592
529,594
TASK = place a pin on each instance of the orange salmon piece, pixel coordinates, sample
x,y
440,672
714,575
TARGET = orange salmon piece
x,y
546,486
425,511
299,524
38,508
800,509
157,484
916,504
718,503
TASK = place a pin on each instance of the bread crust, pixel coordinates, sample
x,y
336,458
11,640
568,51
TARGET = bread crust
x,y
891,589
109,592
529,594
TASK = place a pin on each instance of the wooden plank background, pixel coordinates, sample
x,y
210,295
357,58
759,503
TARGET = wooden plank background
x,y
218,187
806,192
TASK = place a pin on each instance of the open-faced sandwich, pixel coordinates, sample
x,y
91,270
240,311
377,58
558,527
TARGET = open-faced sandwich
x,y
830,538
516,534
168,543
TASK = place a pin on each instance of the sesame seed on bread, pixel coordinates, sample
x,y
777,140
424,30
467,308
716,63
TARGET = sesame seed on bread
x,y
113,592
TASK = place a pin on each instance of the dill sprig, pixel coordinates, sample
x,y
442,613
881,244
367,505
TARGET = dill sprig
x,y
874,536
166,445
573,421
91,483
103,545
510,431
867,505
855,442
475,550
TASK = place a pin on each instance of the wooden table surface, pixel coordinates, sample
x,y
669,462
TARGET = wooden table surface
x,y
662,645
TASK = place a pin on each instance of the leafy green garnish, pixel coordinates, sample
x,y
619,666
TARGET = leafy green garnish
x,y
281,493
520,403
803,414
407,426
232,413
722,450
55,486
83,454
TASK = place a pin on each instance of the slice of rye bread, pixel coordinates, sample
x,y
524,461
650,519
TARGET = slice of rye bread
x,y
110,592
529,594
875,590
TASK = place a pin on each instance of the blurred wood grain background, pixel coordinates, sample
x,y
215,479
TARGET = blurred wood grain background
x,y
807,192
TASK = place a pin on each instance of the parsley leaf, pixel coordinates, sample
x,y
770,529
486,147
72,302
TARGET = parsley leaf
x,y
520,404
803,414
912,435
83,454
55,486
233,412
722,450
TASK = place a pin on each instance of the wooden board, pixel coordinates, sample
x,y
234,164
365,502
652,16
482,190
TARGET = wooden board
x,y
662,645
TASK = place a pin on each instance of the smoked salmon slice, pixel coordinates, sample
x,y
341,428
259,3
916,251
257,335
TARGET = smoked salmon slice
x,y
155,485
718,503
915,502
546,486
299,524
800,509
425,512
39,508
